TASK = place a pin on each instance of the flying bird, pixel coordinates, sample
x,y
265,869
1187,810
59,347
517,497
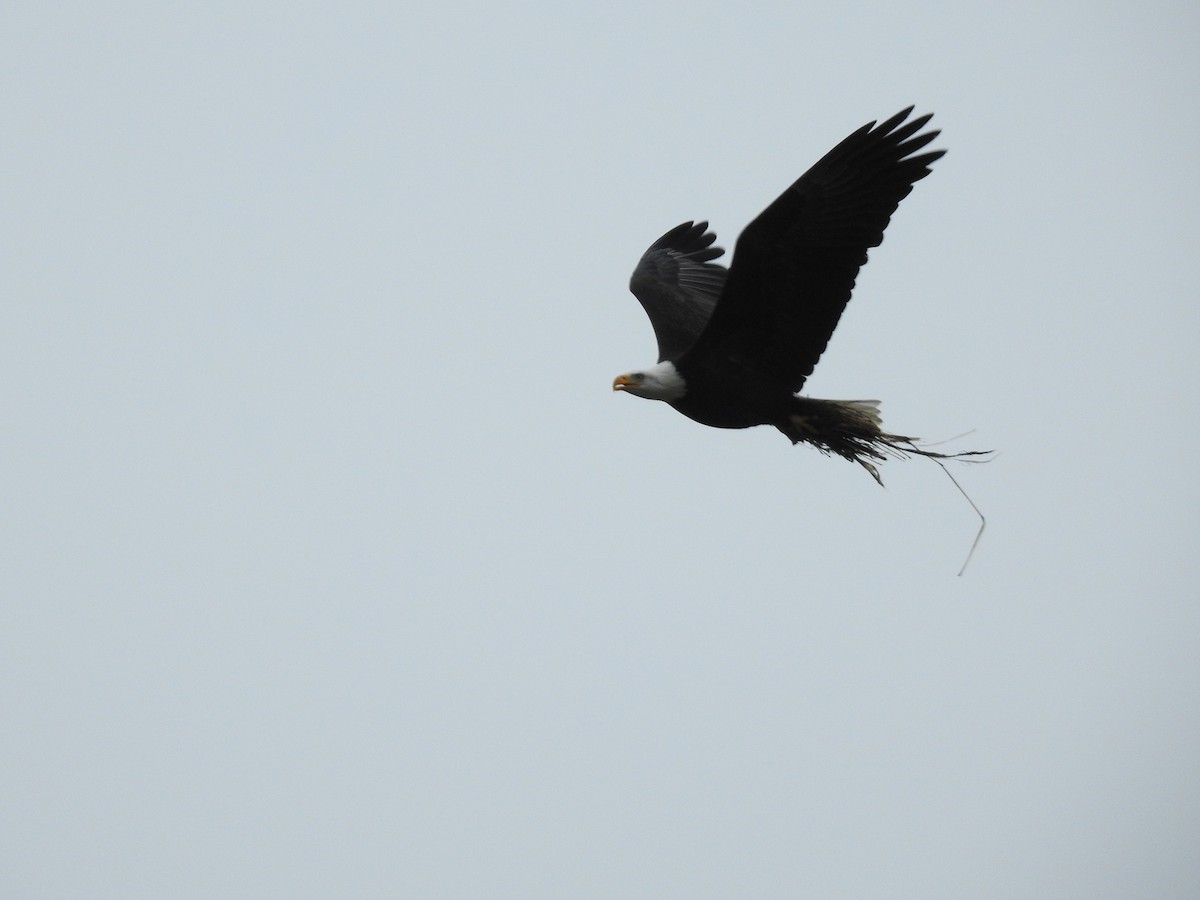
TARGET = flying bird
x,y
736,345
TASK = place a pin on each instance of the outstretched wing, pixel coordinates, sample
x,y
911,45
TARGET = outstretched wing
x,y
795,265
678,286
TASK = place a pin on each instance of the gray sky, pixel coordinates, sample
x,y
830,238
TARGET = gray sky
x,y
332,567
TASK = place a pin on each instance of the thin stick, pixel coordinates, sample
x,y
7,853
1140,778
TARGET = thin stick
x,y
982,519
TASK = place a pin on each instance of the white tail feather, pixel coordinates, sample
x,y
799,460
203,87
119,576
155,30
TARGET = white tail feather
x,y
868,409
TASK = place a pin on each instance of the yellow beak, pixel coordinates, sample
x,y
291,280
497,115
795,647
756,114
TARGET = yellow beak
x,y
621,382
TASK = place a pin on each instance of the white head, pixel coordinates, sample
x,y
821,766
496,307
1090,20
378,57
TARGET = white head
x,y
659,382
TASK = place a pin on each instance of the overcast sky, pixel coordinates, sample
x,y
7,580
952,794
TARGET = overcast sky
x,y
332,567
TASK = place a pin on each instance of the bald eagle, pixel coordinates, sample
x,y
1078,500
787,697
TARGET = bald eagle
x,y
735,346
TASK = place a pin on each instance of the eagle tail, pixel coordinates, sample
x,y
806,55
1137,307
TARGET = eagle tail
x,y
853,430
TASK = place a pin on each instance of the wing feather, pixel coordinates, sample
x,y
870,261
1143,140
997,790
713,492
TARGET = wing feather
x,y
795,265
678,285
